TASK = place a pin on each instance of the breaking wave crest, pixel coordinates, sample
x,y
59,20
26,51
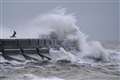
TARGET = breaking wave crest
x,y
75,44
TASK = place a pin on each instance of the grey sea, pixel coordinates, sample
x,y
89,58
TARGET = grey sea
x,y
44,70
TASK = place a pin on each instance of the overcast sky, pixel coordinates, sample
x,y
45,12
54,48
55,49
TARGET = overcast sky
x,y
97,18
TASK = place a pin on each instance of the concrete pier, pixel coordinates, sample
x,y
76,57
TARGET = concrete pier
x,y
26,43
25,47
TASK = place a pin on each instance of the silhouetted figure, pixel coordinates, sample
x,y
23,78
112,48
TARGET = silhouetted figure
x,y
14,34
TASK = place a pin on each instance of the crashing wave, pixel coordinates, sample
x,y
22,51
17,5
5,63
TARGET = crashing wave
x,y
62,26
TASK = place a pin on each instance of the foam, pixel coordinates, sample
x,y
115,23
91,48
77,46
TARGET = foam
x,y
64,27
34,77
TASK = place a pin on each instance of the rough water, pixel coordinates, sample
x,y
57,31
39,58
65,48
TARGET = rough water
x,y
77,58
59,71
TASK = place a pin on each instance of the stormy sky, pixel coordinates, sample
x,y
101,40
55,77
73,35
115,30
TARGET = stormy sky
x,y
97,18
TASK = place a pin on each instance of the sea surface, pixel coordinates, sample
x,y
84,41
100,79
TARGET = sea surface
x,y
60,70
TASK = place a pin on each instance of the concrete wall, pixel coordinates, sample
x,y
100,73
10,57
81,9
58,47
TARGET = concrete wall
x,y
26,43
